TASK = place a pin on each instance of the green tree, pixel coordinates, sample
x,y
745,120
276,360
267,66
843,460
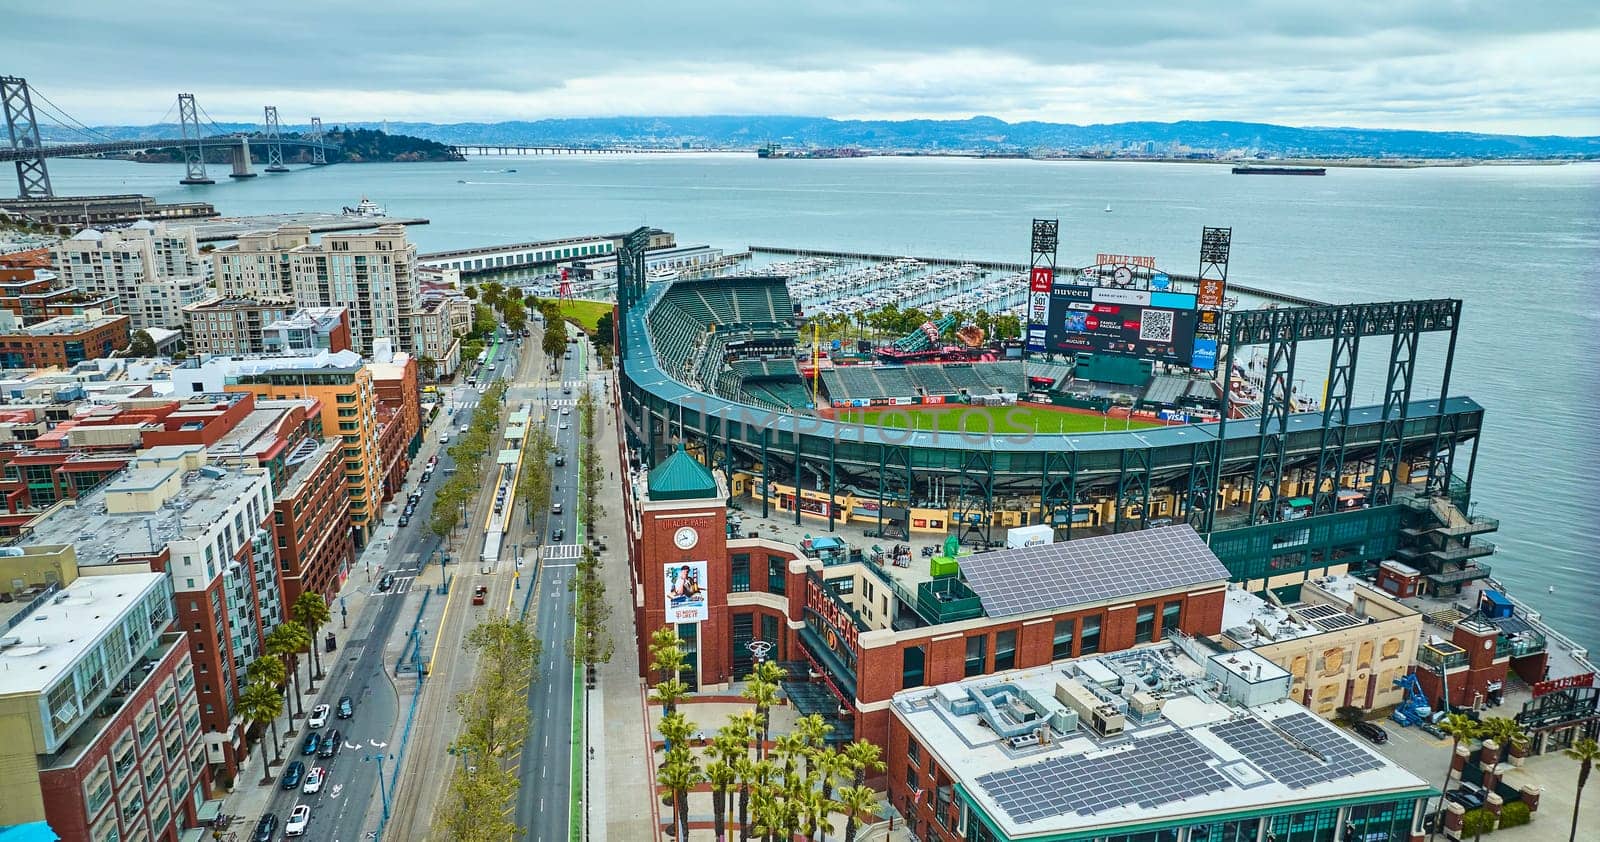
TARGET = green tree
x,y
269,671
856,803
1458,726
261,704
141,345
1477,822
1349,714
310,610
471,292
604,329
721,774
1586,751
427,367
864,758
512,311
474,808
554,341
285,642
1007,326
762,689
679,774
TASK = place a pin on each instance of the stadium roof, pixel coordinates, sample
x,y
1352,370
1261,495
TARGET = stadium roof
x,y
1052,576
640,363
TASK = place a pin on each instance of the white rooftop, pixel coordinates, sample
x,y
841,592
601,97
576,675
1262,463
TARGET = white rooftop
x,y
1183,752
52,637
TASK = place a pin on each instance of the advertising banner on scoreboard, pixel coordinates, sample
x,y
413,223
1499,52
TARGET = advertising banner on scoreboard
x,y
1137,323
1041,279
1211,294
1205,353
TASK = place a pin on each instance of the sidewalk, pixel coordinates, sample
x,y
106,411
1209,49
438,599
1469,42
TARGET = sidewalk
x,y
619,764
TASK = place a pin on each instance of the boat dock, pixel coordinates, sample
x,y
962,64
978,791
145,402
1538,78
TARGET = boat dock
x,y
230,227
1266,294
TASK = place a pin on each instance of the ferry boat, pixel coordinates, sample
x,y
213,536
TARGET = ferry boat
x,y
365,207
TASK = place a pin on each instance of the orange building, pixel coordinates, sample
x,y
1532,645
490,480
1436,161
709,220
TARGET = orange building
x,y
63,341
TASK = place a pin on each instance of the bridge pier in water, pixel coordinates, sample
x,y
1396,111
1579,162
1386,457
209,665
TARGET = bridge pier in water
x,y
241,160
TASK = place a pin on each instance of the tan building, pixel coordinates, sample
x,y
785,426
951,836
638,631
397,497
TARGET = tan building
x,y
1343,643
371,273
444,316
151,270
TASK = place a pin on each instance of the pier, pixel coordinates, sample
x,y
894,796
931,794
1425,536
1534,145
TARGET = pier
x,y
1000,265
231,227
471,261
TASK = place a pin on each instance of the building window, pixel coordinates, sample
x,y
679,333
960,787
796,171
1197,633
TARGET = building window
x,y
1171,616
739,582
977,654
913,660
1090,643
777,571
1005,649
1144,629
1061,646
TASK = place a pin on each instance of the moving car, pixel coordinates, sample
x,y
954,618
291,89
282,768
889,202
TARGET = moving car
x,y
561,460
311,742
566,410
557,533
299,817
330,745
405,519
318,717
346,707
386,582
292,774
480,595
314,780
265,829
555,508
566,390
1373,732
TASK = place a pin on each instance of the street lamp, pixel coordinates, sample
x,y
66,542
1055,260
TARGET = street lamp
x,y
383,791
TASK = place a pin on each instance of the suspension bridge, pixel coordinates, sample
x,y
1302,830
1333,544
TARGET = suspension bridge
x,y
197,132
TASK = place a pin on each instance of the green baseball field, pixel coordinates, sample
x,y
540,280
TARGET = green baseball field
x,y
978,420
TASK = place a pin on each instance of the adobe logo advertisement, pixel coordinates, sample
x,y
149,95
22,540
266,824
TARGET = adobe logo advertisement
x,y
1041,279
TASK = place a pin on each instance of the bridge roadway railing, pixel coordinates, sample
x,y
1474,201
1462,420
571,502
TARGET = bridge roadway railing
x,y
68,150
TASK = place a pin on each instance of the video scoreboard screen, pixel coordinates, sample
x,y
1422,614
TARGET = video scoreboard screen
x,y
1147,324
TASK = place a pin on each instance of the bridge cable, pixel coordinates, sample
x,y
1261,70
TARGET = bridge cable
x,y
72,121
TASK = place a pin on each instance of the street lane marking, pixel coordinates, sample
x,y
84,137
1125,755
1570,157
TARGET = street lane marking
x,y
562,551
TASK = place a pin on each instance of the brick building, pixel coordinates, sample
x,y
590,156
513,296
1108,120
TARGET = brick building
x,y
868,630
100,728
34,295
63,341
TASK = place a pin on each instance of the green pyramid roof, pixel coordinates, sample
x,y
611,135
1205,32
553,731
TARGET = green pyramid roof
x,y
681,477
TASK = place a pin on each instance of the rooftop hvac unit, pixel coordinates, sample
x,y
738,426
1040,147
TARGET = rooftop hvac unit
x,y
1107,721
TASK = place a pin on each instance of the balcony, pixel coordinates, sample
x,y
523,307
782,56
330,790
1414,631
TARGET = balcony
x,y
947,600
1520,644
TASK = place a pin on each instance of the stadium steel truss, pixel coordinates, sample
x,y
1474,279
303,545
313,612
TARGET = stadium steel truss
x,y
1051,473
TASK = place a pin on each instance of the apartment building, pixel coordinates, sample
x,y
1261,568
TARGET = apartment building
x,y
100,726
371,273
150,269
235,325
34,295
64,341
207,528
444,316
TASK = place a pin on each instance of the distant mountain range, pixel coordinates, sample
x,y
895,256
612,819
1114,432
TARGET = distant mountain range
x,y
978,135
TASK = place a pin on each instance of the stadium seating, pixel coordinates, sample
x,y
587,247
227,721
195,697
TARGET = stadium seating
x,y
694,323
1165,390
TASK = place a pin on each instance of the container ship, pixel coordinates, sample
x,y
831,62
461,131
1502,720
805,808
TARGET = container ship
x,y
1249,170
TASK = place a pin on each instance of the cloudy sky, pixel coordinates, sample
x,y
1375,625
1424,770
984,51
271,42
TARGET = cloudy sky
x,y
1523,66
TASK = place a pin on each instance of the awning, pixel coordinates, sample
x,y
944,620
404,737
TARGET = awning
x,y
1459,577
831,663
1299,502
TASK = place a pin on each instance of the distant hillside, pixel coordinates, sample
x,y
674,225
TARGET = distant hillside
x,y
356,145
980,135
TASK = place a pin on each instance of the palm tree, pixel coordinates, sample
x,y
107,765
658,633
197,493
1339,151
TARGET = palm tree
x,y
675,730
753,777
762,689
285,641
789,747
269,671
1506,732
856,802
722,776
310,610
1459,727
864,757
669,693
832,767
813,731
1586,751
427,366
748,724
679,774
261,704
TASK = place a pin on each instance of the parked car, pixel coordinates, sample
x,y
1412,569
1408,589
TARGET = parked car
x,y
330,745
299,817
1373,732
386,582
311,742
347,707
314,779
480,595
318,717
405,519
292,774
265,829
1468,795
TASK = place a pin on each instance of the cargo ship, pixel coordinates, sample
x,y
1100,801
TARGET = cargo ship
x,y
772,150
1249,170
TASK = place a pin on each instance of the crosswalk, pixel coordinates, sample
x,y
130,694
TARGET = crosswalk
x,y
558,552
560,402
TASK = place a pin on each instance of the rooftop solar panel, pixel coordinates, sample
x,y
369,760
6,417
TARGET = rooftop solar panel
x,y
1333,755
1051,576
1158,770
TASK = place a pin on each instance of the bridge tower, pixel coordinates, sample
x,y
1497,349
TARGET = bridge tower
x,y
274,141
33,180
194,155
318,156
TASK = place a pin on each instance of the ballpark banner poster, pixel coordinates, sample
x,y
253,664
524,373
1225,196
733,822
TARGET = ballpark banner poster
x,y
686,592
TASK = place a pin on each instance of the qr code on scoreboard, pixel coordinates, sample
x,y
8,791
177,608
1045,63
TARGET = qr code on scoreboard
x,y
1156,326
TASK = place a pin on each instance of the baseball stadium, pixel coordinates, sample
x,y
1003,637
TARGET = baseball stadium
x,y
937,435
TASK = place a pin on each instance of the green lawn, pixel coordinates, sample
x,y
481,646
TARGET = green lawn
x,y
990,419
585,313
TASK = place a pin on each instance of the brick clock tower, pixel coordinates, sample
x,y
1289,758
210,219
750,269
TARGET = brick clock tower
x,y
681,570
